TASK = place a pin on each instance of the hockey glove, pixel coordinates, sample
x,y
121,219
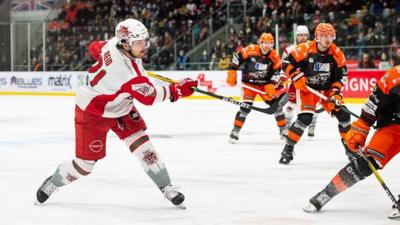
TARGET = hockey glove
x,y
270,91
231,79
182,89
279,80
335,99
356,136
300,81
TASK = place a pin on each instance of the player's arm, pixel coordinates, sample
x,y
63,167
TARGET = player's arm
x,y
339,71
379,101
293,69
238,58
144,91
276,78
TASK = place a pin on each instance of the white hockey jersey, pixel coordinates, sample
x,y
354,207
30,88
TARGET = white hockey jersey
x,y
114,81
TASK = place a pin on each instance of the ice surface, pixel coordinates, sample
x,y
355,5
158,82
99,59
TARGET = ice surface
x,y
223,183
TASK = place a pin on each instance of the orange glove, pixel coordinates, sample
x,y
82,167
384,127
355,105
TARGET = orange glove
x,y
335,99
231,79
300,83
356,136
270,91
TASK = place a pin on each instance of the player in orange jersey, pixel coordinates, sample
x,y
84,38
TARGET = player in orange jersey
x,y
302,35
382,107
261,71
319,64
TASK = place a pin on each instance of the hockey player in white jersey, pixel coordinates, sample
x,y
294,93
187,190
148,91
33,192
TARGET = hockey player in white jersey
x,y
302,35
107,103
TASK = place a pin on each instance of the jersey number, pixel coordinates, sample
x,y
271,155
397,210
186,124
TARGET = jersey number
x,y
95,69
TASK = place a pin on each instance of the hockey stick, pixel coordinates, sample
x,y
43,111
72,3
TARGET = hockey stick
x,y
323,97
281,100
320,110
380,180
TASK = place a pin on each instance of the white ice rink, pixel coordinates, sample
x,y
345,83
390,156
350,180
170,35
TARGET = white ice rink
x,y
223,183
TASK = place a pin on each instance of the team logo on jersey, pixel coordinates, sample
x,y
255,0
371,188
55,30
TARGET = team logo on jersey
x,y
311,60
322,67
144,89
150,157
135,116
96,146
261,66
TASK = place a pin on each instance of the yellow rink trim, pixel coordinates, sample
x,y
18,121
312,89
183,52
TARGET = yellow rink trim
x,y
197,97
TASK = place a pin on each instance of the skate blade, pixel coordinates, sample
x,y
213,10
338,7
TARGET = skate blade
x,y
310,208
395,214
233,141
181,206
37,203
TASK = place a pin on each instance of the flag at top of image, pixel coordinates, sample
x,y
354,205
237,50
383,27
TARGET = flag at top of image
x,y
31,5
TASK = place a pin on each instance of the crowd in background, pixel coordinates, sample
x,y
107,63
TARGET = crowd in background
x,y
358,24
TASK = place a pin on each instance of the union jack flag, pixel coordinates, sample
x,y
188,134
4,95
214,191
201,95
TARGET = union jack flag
x,y
31,5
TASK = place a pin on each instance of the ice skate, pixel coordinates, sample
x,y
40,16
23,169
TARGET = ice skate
x,y
286,155
45,191
174,196
317,202
234,136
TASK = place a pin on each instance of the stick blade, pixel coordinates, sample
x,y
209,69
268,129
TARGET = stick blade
x,y
395,214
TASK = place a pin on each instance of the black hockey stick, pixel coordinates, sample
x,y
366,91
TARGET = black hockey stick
x,y
280,101
380,180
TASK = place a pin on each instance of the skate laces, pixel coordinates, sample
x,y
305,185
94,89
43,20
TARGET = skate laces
x,y
170,192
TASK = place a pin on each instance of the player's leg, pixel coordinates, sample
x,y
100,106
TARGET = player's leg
x,y
306,104
279,116
344,125
65,173
130,128
382,147
240,118
311,127
290,107
90,134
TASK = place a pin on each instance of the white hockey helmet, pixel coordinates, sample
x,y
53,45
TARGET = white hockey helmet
x,y
301,29
130,31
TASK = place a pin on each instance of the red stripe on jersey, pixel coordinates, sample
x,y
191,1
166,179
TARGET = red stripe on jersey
x,y
96,66
97,78
136,68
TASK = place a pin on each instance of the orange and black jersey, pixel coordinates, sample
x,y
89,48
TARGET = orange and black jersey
x,y
383,104
322,69
258,68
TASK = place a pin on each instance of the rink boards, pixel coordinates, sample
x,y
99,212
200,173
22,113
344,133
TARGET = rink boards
x,y
357,88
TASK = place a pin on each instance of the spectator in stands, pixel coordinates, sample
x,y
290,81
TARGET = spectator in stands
x,y
384,63
204,61
213,61
396,58
366,62
181,60
75,64
224,61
